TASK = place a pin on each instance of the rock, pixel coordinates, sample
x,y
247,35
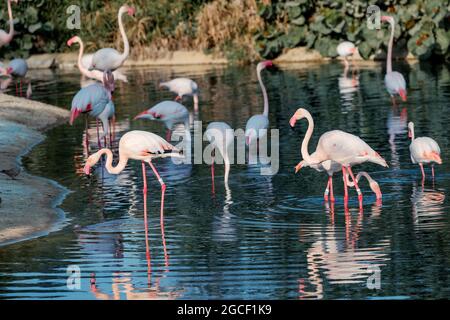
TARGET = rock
x,y
41,61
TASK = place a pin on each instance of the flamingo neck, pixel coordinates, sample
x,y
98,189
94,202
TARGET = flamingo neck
x,y
126,45
123,160
264,92
391,44
304,149
11,21
411,132
196,102
81,67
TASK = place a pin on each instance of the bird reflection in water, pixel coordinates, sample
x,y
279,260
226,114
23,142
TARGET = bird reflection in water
x,y
427,208
396,123
348,86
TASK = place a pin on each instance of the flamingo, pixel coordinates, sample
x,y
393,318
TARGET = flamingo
x,y
6,38
18,68
346,49
182,87
221,136
137,145
257,125
109,58
94,100
84,61
394,81
169,112
341,147
423,150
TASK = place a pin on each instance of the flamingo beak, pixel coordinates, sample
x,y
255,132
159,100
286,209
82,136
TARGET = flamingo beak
x,y
142,114
131,11
293,121
376,189
9,70
402,94
268,63
87,169
69,42
298,167
74,115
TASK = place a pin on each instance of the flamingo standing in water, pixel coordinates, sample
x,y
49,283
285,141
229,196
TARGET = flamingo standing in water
x,y
423,150
331,167
84,61
108,58
182,87
94,100
257,125
18,68
137,145
169,112
394,81
341,147
346,49
221,137
6,38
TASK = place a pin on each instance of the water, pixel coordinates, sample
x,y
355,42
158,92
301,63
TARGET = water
x,y
266,236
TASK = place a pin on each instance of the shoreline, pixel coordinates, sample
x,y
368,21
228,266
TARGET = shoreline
x,y
29,206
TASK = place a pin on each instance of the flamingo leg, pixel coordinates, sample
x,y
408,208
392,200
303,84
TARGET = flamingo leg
x,y
98,136
87,134
168,134
331,189
360,196
212,173
144,191
163,190
432,171
20,87
327,190
344,176
423,173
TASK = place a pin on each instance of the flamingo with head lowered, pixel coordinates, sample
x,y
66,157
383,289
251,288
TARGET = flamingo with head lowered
x,y
182,87
257,125
6,38
137,145
423,150
341,147
394,81
170,113
346,49
109,58
84,61
17,69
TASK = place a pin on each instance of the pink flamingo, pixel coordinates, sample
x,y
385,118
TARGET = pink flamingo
x,y
6,38
257,125
423,150
94,100
182,87
394,81
331,167
18,68
84,61
346,49
221,137
109,58
169,112
137,145
341,147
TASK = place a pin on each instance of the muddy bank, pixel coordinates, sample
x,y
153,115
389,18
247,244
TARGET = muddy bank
x,y
28,203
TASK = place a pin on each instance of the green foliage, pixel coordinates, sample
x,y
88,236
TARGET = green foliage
x,y
422,26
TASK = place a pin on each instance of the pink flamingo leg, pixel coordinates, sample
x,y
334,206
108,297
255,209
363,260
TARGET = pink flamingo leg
x,y
144,191
423,171
98,136
327,190
331,189
344,176
432,171
20,86
360,196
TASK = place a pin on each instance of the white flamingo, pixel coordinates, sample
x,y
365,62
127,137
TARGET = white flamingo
x,y
6,38
423,150
182,87
346,49
257,125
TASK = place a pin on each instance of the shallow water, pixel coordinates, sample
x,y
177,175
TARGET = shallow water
x,y
266,236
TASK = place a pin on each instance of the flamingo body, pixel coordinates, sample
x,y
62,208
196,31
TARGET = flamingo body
x,y
345,49
17,68
91,99
395,84
168,112
423,150
181,86
221,137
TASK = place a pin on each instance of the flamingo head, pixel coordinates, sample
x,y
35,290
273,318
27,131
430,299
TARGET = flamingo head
x,y
72,40
299,114
410,129
264,64
299,166
90,162
387,19
376,158
130,10
73,115
376,189
146,114
9,70
402,94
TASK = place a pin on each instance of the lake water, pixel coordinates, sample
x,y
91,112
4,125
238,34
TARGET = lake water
x,y
266,237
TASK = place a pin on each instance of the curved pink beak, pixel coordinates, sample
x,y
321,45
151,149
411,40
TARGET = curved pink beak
x,y
268,63
143,113
293,121
402,93
70,41
87,169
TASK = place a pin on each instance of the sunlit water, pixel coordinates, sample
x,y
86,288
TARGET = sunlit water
x,y
267,236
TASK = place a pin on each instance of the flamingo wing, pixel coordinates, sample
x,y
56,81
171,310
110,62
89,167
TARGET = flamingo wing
x,y
19,67
425,150
92,99
141,144
395,82
106,59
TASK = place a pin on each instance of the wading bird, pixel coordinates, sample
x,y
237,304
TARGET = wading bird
x,y
108,58
257,125
182,87
341,147
221,136
137,145
394,81
85,60
169,112
17,69
423,150
346,49
6,38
